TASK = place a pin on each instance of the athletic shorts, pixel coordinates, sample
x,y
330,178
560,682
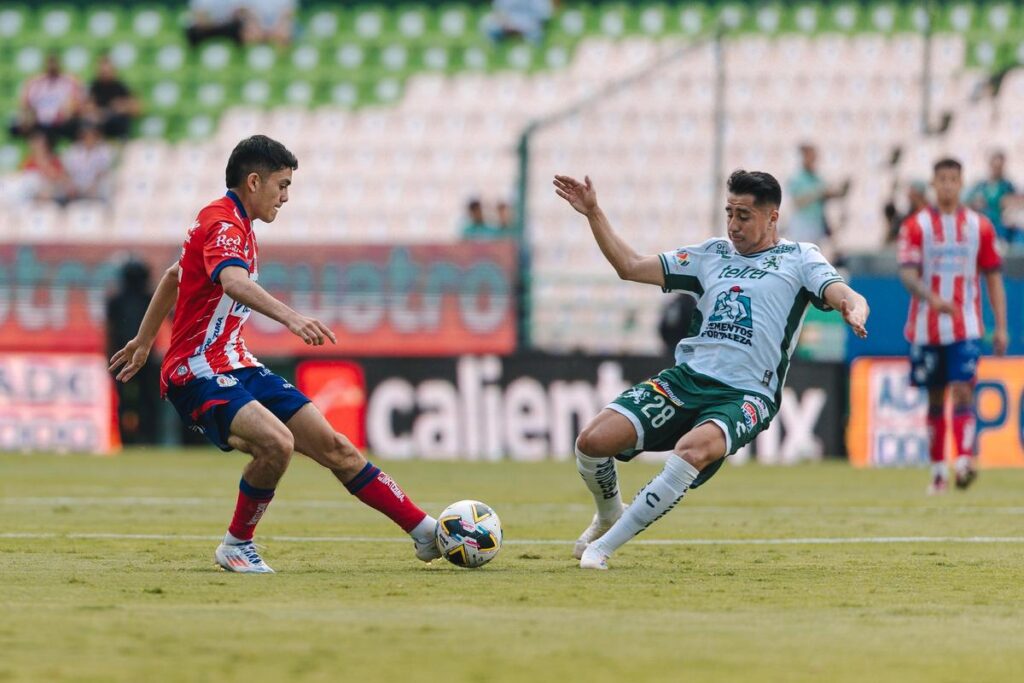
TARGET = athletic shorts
x,y
667,406
209,405
938,365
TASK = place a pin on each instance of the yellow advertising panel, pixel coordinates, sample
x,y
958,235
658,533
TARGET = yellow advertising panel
x,y
888,428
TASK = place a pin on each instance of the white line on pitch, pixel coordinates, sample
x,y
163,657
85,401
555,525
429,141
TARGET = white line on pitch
x,y
650,541
154,501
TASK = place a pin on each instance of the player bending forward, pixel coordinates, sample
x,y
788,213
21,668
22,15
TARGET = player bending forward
x,y
752,291
221,390
942,250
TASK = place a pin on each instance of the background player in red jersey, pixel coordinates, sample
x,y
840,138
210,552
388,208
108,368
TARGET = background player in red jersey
x,y
221,390
943,249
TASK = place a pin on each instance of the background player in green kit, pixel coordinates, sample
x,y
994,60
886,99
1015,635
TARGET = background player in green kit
x,y
752,291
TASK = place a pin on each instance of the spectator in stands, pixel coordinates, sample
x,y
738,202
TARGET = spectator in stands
x,y
518,19
504,220
111,104
215,19
269,21
917,199
88,163
42,173
989,197
807,221
475,225
50,102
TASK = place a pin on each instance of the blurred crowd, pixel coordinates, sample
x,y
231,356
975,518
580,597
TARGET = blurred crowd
x,y
491,222
69,129
243,21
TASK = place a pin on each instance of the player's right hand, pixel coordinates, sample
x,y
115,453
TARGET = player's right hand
x,y
942,305
581,196
311,331
133,356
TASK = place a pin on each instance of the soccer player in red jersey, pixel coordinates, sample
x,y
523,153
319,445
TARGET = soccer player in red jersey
x,y
220,389
942,250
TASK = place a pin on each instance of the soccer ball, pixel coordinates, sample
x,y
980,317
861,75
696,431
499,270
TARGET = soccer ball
x,y
468,533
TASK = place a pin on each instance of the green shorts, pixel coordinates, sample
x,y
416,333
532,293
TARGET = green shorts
x,y
667,406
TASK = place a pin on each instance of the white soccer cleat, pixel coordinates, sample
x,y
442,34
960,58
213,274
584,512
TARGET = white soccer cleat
x,y
593,532
427,551
593,558
241,558
938,485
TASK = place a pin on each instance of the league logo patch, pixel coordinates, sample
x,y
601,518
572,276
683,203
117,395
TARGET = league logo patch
x,y
226,381
682,257
749,414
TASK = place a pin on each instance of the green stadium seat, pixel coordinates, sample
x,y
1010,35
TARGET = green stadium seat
x,y
304,59
652,20
170,58
386,91
10,157
209,94
153,126
300,92
693,19
518,57
350,57
216,57
260,58
411,22
557,56
78,60
199,126
884,17
28,60
151,21
436,58
103,23
13,21
612,21
770,18
1001,18
475,58
394,57
844,17
56,22
256,92
455,21
164,95
344,93
572,22
368,22
732,15
124,55
323,24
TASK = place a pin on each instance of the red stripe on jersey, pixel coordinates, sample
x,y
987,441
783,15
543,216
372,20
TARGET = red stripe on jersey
x,y
961,217
938,234
959,324
933,315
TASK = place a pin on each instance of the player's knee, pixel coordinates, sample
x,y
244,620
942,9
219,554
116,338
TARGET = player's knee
x,y
698,452
590,443
341,456
278,446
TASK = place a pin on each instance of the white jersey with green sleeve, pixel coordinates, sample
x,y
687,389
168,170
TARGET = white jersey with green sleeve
x,y
749,308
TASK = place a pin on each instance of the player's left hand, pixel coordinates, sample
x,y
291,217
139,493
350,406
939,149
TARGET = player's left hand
x,y
855,315
133,356
1000,341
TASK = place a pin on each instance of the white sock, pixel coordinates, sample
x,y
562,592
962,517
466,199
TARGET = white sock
x,y
424,531
232,540
601,477
652,501
939,470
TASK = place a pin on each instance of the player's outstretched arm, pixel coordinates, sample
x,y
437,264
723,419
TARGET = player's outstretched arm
x,y
852,305
997,300
237,285
628,264
134,354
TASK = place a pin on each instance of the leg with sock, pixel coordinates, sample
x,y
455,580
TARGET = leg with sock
x,y
695,451
964,433
937,439
602,480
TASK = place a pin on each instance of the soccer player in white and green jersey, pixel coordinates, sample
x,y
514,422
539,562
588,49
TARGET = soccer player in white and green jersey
x,y
752,291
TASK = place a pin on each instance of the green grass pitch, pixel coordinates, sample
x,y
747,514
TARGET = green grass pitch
x,y
106,574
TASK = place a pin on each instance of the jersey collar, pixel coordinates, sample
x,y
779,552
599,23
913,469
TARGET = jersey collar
x,y
238,203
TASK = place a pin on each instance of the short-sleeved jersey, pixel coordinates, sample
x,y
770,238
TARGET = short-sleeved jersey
x,y
949,250
206,337
749,309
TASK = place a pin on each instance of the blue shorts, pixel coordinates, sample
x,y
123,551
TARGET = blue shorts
x,y
937,366
209,405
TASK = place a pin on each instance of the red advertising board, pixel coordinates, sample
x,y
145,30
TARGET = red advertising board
x,y
56,402
417,300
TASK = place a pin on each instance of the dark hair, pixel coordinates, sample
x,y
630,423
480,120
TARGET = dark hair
x,y
948,162
763,186
257,154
